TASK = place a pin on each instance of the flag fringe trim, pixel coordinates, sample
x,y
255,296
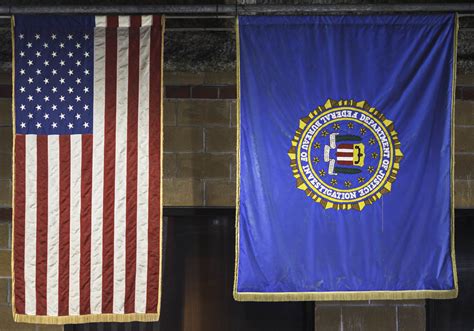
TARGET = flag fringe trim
x,y
345,296
80,319
90,318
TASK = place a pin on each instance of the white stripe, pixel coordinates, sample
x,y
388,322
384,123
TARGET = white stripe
x,y
97,171
30,225
344,150
147,20
120,171
142,172
124,21
75,225
345,158
100,21
53,226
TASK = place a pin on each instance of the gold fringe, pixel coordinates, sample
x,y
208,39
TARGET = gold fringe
x,y
81,319
237,158
344,296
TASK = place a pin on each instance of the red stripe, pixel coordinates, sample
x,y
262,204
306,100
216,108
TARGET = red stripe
x,y
154,213
64,222
344,154
86,201
19,224
346,146
109,164
132,159
42,225
345,162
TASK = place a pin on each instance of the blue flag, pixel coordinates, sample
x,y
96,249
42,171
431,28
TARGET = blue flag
x,y
345,161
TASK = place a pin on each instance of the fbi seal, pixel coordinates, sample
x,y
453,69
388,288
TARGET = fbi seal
x,y
345,154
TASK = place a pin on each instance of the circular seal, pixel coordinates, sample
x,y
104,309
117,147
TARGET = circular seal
x,y
345,154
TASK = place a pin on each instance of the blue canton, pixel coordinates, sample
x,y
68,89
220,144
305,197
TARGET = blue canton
x,y
53,80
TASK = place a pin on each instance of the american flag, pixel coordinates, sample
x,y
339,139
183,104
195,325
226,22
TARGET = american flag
x,y
87,168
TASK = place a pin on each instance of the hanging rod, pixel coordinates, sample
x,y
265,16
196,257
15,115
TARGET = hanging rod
x,y
462,8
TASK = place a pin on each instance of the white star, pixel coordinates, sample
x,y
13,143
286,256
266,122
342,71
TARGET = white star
x,y
22,71
46,98
62,63
46,116
61,98
70,72
30,116
70,90
22,107
78,116
46,81
85,125
30,98
61,80
38,71
23,125
78,63
61,45
54,125
86,54
70,107
22,89
69,36
70,54
38,89
70,126
86,36
38,125
22,54
37,36
30,80
78,45
54,72
86,107
30,63
78,80
46,63
78,98
45,45
86,89
53,36
38,107
54,54
62,116
54,89
21,36
54,107
86,72
38,54
29,45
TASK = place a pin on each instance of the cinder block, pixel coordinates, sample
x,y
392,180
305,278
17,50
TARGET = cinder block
x,y
220,139
5,266
5,78
464,112
205,92
464,139
5,111
182,192
465,79
464,194
183,78
6,138
169,165
5,235
369,318
233,113
4,291
5,166
203,112
219,78
183,139
417,302
5,193
203,165
50,327
411,318
220,193
169,113
7,323
327,318
464,168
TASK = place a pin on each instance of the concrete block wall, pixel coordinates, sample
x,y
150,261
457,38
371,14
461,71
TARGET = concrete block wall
x,y
199,170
